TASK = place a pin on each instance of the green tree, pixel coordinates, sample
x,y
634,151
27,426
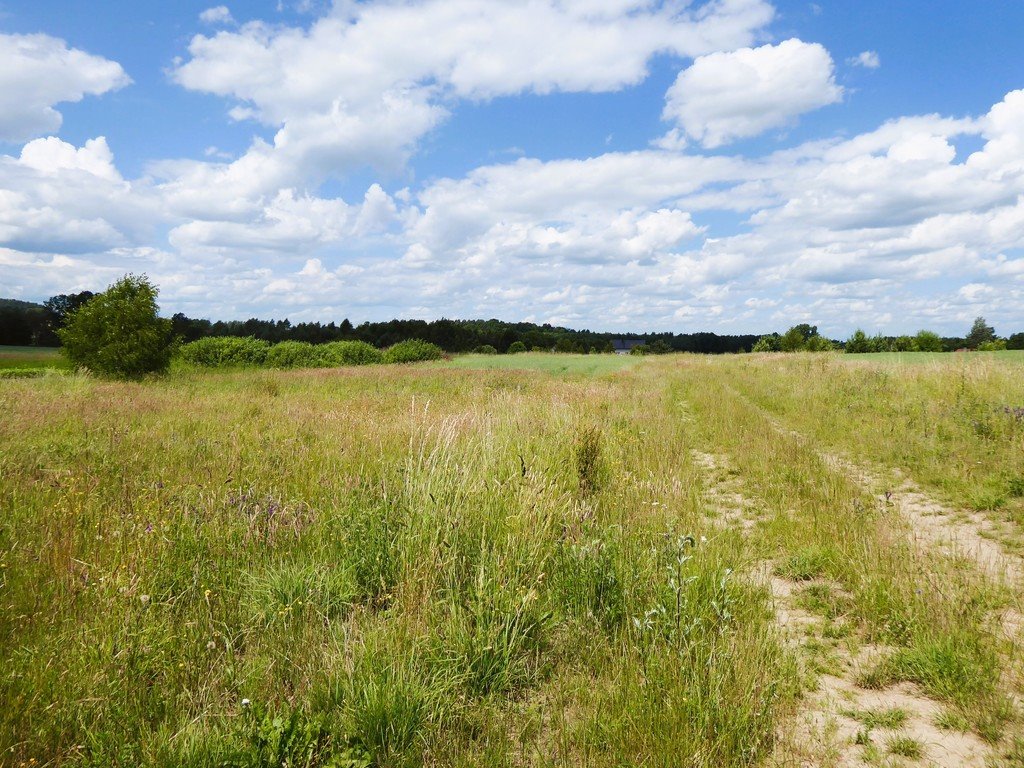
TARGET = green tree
x,y
1016,341
858,343
796,337
769,343
928,341
980,333
118,333
516,347
903,344
817,343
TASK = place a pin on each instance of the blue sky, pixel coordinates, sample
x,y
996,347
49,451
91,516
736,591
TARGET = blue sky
x,y
734,165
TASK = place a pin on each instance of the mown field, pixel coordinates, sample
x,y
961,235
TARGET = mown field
x,y
538,560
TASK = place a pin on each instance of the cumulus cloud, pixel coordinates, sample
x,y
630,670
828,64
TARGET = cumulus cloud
x,y
38,72
727,96
866,59
56,197
217,15
896,222
350,90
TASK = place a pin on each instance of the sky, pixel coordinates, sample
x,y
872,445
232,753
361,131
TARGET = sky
x,y
737,166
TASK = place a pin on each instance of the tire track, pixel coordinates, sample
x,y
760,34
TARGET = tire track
x,y
828,729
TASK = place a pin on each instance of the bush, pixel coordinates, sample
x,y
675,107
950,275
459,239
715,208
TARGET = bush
x,y
770,343
818,343
516,347
412,351
348,353
223,351
293,354
996,345
117,333
928,341
485,349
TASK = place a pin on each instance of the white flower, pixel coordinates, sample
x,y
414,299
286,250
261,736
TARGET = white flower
x,y
246,702
144,599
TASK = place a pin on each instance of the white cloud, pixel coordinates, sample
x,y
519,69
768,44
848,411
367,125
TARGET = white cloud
x,y
351,91
39,71
727,96
866,59
891,223
217,15
59,198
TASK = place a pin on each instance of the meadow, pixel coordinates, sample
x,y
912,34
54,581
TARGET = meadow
x,y
530,560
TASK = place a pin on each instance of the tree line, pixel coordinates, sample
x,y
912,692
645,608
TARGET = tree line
x,y
27,324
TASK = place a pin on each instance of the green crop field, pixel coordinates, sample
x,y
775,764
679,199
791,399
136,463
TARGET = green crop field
x,y
529,560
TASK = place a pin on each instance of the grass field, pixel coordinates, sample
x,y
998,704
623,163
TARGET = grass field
x,y
31,358
584,365
505,561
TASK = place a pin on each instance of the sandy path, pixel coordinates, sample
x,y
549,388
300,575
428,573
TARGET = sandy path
x,y
826,730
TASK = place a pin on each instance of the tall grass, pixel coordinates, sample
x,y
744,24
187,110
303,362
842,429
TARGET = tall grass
x,y
429,566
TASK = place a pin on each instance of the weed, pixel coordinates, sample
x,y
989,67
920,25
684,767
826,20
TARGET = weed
x,y
587,459
886,719
904,746
806,564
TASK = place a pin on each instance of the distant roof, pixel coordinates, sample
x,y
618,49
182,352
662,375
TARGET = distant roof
x,y
627,343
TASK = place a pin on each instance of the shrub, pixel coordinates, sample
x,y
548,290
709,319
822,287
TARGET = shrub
x,y
994,345
118,333
485,349
412,351
770,343
293,354
348,353
904,344
818,343
928,341
223,351
516,347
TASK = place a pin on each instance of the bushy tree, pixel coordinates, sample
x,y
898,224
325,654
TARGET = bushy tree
x,y
118,333
928,341
858,343
769,343
996,345
817,343
903,344
412,351
1016,341
980,333
517,346
485,349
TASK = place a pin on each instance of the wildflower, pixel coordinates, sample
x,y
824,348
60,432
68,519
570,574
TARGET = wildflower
x,y
144,599
211,645
246,703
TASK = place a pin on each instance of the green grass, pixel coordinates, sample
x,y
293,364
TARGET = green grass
x,y
548,362
904,746
885,719
453,564
31,357
1013,356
